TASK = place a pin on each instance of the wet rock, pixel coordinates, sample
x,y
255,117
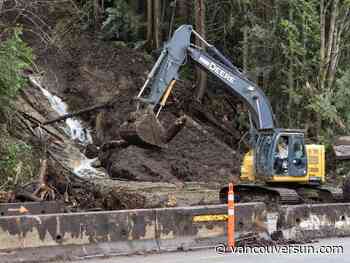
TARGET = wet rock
x,y
277,235
91,151
96,164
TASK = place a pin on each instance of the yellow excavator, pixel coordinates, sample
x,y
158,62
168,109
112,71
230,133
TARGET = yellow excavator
x,y
279,166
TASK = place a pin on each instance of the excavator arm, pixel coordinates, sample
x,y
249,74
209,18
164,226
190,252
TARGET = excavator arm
x,y
147,130
240,86
175,54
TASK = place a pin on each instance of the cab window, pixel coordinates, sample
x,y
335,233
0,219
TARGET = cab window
x,y
263,152
281,156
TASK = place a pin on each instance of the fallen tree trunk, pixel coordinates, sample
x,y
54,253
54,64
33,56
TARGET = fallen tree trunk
x,y
203,113
119,194
23,194
341,148
80,112
7,197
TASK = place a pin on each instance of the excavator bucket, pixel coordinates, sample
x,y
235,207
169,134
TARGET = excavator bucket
x,y
143,129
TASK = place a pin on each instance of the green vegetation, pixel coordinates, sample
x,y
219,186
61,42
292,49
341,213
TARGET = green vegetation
x,y
15,56
15,155
120,23
16,162
297,51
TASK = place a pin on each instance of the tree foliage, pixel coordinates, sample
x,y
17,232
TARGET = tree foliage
x,y
294,50
121,22
16,161
15,56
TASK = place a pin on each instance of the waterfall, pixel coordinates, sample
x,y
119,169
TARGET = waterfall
x,y
75,129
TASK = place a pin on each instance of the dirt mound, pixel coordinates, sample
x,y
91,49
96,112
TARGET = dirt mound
x,y
192,156
91,71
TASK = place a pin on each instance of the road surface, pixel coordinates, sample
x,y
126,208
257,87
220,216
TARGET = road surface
x,y
337,250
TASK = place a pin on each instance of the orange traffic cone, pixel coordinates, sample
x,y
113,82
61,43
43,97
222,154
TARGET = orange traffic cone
x,y
231,217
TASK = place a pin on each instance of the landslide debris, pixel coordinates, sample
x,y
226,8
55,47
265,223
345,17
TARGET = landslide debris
x,y
84,71
95,72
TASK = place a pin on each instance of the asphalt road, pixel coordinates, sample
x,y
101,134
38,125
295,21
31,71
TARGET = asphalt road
x,y
341,254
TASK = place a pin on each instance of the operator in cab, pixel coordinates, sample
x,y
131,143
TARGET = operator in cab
x,y
281,161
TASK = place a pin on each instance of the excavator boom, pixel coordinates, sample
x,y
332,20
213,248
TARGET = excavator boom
x,y
146,130
175,54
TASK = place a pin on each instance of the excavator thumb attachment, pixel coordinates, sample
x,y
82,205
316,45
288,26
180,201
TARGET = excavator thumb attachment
x,y
143,129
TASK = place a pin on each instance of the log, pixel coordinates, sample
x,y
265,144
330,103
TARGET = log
x,y
203,113
79,112
114,144
27,196
42,177
118,194
6,197
43,172
99,127
36,123
341,148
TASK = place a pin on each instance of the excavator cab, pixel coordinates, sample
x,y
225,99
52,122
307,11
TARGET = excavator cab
x,y
280,152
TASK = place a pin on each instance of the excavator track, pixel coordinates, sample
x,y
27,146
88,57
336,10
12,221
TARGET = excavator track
x,y
320,194
337,193
282,195
286,195
267,194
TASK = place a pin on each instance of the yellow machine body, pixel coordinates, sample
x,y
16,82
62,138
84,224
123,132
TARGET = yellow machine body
x,y
315,168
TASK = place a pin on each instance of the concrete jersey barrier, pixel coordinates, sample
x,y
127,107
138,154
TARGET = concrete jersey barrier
x,y
35,238
39,238
314,221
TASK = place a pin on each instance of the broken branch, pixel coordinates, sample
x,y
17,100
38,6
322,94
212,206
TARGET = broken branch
x,y
77,113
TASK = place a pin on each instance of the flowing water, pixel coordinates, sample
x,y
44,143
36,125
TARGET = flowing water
x,y
76,131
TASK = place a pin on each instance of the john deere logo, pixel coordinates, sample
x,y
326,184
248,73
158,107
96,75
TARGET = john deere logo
x,y
221,73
